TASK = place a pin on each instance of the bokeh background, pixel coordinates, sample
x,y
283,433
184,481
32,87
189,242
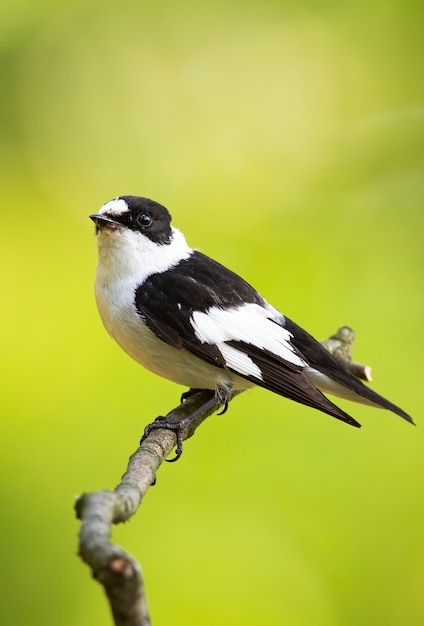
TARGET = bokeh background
x,y
286,138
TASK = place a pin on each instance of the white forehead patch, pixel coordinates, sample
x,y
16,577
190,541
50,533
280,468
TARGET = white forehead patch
x,y
116,207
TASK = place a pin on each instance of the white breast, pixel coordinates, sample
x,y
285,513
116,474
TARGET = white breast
x,y
117,277
125,325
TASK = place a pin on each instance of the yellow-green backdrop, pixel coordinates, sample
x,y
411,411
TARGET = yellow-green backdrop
x,y
286,138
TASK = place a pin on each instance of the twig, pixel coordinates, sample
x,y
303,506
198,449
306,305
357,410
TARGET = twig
x,y
340,346
117,571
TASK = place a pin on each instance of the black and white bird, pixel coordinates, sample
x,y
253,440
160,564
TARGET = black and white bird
x,y
191,320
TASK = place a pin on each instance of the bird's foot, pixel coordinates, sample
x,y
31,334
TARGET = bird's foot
x,y
225,407
185,427
168,424
187,394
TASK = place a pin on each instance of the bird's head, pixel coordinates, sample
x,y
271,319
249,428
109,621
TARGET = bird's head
x,y
143,217
137,231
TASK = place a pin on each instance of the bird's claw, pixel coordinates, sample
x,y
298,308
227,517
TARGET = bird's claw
x,y
224,410
181,428
167,424
187,394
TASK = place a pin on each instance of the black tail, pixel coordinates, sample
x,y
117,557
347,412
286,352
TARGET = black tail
x,y
320,359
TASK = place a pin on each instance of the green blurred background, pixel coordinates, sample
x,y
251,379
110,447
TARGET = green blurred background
x,y
286,138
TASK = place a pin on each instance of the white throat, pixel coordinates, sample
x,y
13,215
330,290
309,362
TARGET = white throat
x,y
126,254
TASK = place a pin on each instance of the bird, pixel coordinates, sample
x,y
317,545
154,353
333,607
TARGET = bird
x,y
189,319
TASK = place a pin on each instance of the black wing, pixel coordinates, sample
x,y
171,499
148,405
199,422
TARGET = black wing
x,y
166,301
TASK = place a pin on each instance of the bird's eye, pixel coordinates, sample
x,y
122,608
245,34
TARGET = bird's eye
x,y
144,220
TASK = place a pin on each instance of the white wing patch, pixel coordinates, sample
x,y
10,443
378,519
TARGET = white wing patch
x,y
239,361
249,323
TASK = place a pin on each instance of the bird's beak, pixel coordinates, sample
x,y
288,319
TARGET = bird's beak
x,y
103,221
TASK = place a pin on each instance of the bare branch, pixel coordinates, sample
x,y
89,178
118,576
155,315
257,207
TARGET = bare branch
x,y
116,570
340,346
